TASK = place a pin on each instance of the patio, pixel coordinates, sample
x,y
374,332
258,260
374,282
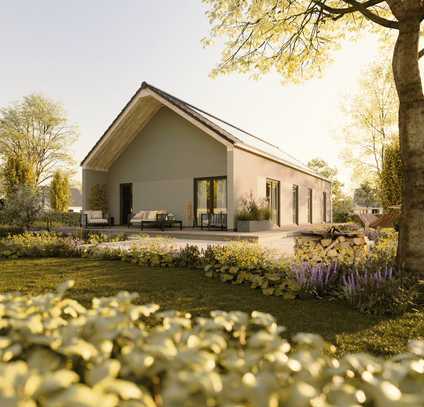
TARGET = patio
x,y
280,240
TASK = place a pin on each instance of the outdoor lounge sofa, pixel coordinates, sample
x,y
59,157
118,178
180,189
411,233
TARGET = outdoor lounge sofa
x,y
93,218
156,219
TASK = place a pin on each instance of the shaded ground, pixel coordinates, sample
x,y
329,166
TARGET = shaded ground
x,y
190,290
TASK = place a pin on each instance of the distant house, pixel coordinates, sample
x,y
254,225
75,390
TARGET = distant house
x,y
363,205
163,153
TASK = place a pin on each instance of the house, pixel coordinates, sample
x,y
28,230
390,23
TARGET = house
x,y
366,203
163,153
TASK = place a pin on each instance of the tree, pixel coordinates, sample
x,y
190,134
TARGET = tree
x,y
17,172
391,177
366,195
60,191
97,200
342,204
37,131
372,121
296,38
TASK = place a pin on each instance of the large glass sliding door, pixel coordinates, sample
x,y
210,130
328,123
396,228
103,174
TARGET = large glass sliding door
x,y
273,198
210,196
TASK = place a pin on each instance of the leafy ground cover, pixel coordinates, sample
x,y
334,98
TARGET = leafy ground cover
x,y
189,290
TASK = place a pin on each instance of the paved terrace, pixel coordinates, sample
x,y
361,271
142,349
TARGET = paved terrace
x,y
279,239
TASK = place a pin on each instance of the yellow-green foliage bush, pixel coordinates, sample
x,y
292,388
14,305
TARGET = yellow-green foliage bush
x,y
55,352
38,245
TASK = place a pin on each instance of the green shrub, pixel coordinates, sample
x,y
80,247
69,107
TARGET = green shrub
x,y
38,245
55,352
62,218
385,248
189,257
97,238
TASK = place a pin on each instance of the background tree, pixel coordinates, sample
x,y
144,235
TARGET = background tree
x,y
341,203
60,191
366,195
296,38
97,200
17,172
37,131
391,177
372,117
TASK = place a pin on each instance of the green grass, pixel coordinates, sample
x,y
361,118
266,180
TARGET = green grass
x,y
189,290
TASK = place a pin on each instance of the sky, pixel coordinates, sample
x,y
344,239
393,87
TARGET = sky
x,y
91,56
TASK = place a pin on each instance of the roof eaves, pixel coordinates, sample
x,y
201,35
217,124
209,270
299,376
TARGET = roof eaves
x,y
112,124
280,160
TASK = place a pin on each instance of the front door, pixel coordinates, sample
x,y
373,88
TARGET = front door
x,y
210,196
273,198
126,202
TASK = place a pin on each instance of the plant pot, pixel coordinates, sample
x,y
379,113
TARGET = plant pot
x,y
254,225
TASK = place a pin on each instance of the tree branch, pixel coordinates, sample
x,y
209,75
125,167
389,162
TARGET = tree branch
x,y
346,10
363,9
421,54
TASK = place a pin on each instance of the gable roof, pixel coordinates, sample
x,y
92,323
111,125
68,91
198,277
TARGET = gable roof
x,y
220,129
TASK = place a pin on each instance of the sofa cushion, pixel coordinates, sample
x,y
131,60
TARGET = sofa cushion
x,y
140,215
97,221
91,214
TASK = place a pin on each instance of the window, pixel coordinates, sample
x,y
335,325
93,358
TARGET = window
x,y
309,205
375,211
273,198
296,204
210,196
324,207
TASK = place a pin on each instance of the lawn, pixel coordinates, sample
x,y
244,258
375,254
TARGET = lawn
x,y
189,290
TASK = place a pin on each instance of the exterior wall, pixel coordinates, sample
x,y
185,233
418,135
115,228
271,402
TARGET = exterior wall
x,y
251,172
89,179
162,162
376,210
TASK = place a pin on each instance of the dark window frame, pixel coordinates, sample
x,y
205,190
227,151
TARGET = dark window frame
x,y
295,203
324,207
195,180
122,220
310,205
271,180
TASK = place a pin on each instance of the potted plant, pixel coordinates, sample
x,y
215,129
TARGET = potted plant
x,y
253,216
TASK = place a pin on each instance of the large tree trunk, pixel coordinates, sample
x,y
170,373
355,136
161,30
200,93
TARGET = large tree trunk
x,y
411,131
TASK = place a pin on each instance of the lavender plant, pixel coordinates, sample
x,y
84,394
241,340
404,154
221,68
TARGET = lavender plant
x,y
318,280
379,291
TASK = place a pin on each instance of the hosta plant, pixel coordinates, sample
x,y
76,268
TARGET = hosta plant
x,y
55,352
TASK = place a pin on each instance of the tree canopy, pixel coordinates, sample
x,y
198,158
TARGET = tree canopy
x,y
371,121
391,177
341,203
297,39
60,191
37,130
15,173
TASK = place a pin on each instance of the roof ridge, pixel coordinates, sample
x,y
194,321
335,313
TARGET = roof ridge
x,y
198,109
